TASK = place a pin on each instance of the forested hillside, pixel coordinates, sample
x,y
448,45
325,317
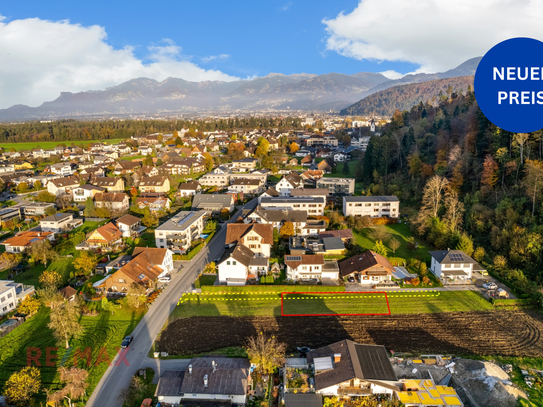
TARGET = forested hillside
x,y
465,184
72,130
402,97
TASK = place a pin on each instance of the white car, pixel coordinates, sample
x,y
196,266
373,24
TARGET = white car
x,y
165,279
490,286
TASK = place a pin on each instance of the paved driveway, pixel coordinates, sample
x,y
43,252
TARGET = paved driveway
x,y
118,376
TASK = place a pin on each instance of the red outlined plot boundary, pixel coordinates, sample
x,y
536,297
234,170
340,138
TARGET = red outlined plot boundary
x,y
331,292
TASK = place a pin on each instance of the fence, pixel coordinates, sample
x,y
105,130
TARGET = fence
x,y
7,329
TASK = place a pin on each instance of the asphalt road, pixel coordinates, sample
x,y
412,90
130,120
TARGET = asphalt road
x,y
117,377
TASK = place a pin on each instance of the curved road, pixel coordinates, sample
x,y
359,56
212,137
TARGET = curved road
x,y
118,376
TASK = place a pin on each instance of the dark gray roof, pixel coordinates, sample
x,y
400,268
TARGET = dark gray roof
x,y
170,383
364,362
451,257
223,199
333,243
205,403
267,200
57,217
281,215
229,377
238,252
259,261
303,400
371,199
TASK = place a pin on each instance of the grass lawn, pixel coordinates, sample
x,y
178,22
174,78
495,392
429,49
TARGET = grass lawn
x,y
47,145
103,331
268,303
89,226
402,233
205,279
148,390
274,178
341,303
353,165
131,157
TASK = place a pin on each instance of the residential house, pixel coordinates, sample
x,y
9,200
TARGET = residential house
x,y
111,184
302,152
288,182
307,160
367,268
337,186
256,236
350,369
309,193
269,193
130,225
11,293
213,204
82,192
239,263
116,202
326,165
149,171
125,167
211,381
145,150
293,161
155,202
183,166
9,213
23,240
277,218
314,206
34,208
145,267
312,175
316,140
180,231
68,293
308,245
92,171
245,164
105,236
212,179
261,177
188,189
246,186
154,184
62,186
308,267
60,222
372,206
344,234
453,266
64,169
340,156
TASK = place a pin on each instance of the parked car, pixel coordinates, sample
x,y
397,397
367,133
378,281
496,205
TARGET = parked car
x,y
490,286
164,279
350,279
127,341
303,351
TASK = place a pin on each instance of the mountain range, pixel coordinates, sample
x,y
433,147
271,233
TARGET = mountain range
x,y
274,92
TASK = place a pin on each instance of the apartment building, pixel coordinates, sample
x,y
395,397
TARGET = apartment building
x,y
344,186
372,206
313,206
180,231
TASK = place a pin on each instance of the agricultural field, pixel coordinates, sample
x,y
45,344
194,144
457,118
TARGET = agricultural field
x,y
267,302
104,330
47,145
508,333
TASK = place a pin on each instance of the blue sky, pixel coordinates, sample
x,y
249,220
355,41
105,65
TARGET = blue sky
x,y
49,47
259,37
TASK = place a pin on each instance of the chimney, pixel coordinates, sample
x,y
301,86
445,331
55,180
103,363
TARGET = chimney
x,y
337,357
190,369
214,366
205,381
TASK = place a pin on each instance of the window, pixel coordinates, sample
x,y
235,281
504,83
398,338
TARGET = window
x,y
234,263
10,295
228,263
2,299
121,280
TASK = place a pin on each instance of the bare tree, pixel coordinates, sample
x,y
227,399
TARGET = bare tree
x,y
266,352
380,233
394,244
520,140
75,388
64,322
455,209
533,180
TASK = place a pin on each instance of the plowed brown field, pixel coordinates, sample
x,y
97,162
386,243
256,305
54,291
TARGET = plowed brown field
x,y
511,333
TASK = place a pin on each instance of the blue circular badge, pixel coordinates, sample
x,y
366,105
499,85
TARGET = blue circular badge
x,y
509,85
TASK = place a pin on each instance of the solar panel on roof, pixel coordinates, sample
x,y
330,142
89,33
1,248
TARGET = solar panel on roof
x,y
456,257
294,258
141,276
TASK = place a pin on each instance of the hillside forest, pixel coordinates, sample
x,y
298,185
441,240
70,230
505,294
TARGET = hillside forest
x,y
73,130
465,183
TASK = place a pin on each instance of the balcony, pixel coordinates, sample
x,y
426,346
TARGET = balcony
x,y
359,390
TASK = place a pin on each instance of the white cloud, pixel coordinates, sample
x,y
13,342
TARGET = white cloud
x,y
42,58
435,34
215,58
286,6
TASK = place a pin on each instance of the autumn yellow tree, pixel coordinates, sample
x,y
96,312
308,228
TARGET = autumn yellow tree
x,y
293,147
85,263
287,230
22,385
489,178
50,278
64,322
267,353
